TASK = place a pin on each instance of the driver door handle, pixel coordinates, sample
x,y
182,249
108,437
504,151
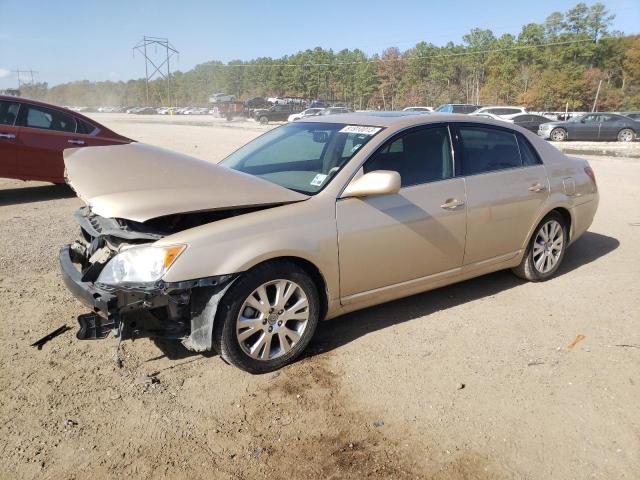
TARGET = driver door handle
x,y
451,204
9,136
537,187
76,142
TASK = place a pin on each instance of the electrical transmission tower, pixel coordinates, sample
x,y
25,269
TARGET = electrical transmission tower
x,y
149,64
20,72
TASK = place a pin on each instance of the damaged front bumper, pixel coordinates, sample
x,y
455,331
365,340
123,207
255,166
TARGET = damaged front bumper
x,y
171,302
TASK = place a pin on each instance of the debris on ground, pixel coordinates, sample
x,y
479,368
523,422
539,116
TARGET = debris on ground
x,y
49,336
70,423
378,423
460,386
147,378
575,341
533,363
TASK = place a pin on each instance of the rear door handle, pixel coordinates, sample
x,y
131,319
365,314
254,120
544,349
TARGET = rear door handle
x,y
451,204
9,136
537,187
76,142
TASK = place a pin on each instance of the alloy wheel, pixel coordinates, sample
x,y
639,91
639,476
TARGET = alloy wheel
x,y
548,246
625,135
272,319
558,135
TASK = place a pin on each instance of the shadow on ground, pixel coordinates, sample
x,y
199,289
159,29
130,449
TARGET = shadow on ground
x,y
342,330
29,194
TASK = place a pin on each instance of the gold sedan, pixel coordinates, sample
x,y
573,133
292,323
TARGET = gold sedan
x,y
311,220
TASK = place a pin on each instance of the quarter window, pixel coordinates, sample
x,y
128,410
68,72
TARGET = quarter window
x,y
8,112
487,150
49,119
419,156
529,155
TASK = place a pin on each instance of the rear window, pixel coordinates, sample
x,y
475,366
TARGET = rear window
x,y
84,127
487,149
504,111
48,119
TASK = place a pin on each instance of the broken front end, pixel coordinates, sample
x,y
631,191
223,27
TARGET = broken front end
x,y
115,269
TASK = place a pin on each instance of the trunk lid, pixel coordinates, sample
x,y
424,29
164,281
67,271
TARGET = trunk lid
x,y
139,182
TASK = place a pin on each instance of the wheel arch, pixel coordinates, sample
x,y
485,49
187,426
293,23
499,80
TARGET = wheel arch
x,y
563,211
312,270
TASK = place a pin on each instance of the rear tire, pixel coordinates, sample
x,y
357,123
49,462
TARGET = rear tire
x,y
558,135
545,251
626,135
267,318
264,120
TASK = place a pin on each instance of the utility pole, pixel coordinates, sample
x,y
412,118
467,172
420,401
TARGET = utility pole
x,y
595,102
19,74
169,51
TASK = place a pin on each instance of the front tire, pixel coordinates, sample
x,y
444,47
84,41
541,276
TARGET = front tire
x,y
267,318
558,135
545,251
626,135
264,120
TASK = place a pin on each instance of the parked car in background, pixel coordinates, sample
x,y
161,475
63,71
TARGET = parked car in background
x,y
457,108
501,111
631,115
309,112
335,110
221,97
490,115
528,120
256,102
592,126
418,109
146,111
34,134
310,221
274,113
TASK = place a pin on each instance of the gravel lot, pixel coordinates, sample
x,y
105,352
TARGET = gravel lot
x,y
471,381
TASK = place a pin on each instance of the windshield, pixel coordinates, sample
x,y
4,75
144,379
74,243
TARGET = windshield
x,y
301,156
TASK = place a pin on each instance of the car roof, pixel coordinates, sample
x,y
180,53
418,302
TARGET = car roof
x,y
398,119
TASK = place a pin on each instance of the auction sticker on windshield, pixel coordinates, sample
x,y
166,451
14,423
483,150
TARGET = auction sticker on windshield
x,y
360,129
318,180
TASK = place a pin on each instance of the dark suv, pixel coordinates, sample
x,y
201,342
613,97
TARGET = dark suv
x,y
275,113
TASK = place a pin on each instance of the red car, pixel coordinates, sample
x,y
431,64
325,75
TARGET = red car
x,y
34,134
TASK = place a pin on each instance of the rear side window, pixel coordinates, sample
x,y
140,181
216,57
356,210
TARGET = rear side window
x,y
529,156
8,112
503,111
48,119
487,149
419,156
84,127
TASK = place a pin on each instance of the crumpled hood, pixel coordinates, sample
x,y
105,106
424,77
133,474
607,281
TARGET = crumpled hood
x,y
139,182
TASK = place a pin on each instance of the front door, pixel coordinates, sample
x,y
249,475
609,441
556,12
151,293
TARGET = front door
x,y
418,232
8,138
506,188
586,129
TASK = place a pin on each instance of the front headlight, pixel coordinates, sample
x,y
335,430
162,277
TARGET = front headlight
x,y
139,265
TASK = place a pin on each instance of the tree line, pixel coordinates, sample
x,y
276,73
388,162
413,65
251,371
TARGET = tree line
x,y
566,60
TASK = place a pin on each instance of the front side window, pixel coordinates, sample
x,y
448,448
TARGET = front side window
x,y
301,156
419,156
8,112
49,119
487,149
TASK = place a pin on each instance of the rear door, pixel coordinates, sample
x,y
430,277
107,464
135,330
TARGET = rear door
x,y
8,138
506,188
44,134
610,125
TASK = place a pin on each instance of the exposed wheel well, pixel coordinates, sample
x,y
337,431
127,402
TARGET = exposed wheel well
x,y
315,275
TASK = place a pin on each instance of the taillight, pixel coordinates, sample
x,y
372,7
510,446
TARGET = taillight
x,y
589,171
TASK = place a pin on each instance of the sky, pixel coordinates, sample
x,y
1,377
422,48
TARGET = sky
x,y
67,40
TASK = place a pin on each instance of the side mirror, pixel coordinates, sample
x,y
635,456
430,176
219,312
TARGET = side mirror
x,y
379,182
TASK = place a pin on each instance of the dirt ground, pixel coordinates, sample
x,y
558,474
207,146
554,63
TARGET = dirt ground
x,y
471,381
